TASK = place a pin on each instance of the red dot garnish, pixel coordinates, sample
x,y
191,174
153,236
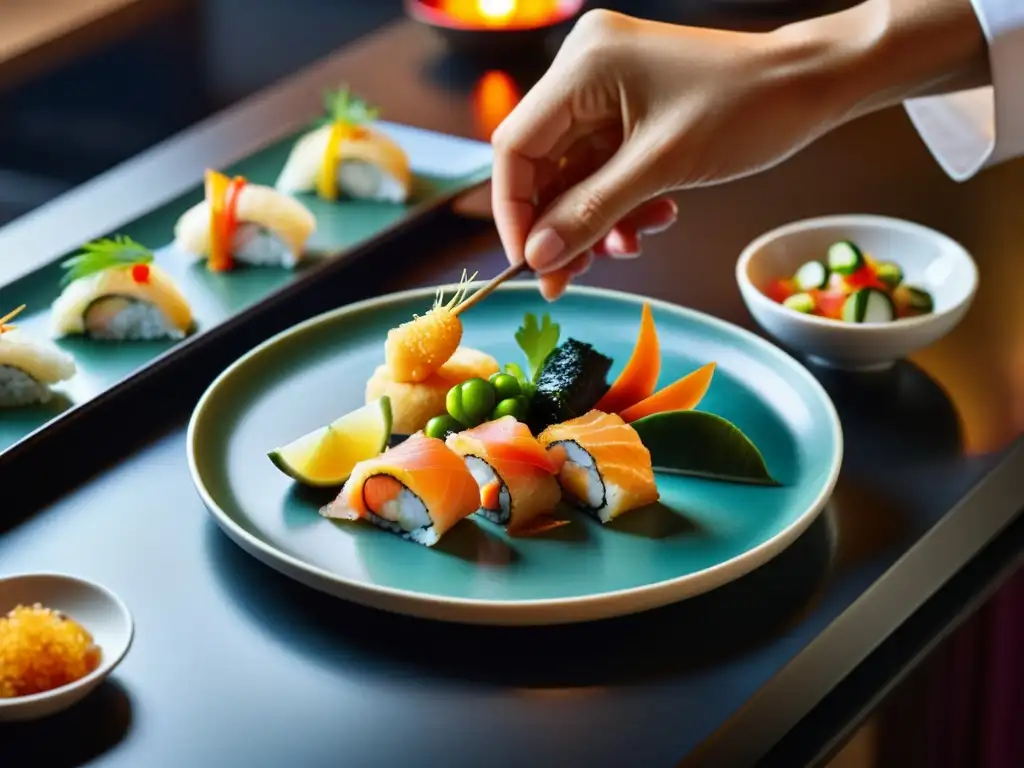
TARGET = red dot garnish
x,y
140,273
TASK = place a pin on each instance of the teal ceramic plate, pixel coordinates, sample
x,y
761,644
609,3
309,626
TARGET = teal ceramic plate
x,y
703,534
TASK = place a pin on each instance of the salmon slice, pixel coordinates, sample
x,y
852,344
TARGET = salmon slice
x,y
422,471
515,473
605,466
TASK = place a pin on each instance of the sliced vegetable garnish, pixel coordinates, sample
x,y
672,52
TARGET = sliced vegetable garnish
x,y
830,303
537,340
779,290
5,321
222,195
681,395
913,301
702,444
801,302
844,257
869,305
889,273
812,275
640,376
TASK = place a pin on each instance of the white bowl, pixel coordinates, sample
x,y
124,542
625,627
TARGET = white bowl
x,y
96,608
929,260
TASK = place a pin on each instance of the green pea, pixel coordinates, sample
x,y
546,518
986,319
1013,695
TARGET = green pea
x,y
511,406
505,385
453,404
477,400
441,426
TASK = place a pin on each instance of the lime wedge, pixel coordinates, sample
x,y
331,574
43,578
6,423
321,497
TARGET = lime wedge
x,y
325,457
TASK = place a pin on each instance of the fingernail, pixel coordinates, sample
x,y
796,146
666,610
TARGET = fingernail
x,y
543,249
657,228
625,255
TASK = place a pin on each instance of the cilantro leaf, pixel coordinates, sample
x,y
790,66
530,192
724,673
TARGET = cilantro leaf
x,y
537,341
100,255
344,106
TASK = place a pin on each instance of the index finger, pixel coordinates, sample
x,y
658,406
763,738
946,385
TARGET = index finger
x,y
522,143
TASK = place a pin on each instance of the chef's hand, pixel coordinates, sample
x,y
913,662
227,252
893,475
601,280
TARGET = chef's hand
x,y
630,110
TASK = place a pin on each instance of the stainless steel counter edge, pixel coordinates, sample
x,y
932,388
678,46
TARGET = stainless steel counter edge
x,y
167,170
991,505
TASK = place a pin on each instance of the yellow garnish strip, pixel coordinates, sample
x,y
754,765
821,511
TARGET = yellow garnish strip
x,y
327,179
4,326
216,193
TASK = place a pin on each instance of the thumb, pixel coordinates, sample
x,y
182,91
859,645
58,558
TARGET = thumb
x,y
576,220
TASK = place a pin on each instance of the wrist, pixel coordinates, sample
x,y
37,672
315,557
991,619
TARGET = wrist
x,y
882,52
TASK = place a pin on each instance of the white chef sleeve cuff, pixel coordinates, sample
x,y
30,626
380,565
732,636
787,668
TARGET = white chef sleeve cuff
x,y
971,130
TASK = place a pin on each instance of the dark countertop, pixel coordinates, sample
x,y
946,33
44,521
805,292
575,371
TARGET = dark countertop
x,y
236,665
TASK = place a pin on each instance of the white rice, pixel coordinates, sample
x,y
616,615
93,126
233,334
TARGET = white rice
x,y
407,516
262,248
365,181
18,389
118,318
484,474
599,495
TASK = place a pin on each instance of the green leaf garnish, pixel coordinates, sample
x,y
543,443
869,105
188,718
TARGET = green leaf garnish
x,y
100,255
537,341
342,105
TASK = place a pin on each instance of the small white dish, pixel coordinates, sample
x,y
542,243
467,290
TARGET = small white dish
x,y
95,608
929,260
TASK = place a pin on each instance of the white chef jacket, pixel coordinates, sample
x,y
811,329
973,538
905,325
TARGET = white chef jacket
x,y
971,130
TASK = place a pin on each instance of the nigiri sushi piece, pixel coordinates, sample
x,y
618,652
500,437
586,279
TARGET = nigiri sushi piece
x,y
242,222
605,468
419,490
515,473
115,292
348,156
29,367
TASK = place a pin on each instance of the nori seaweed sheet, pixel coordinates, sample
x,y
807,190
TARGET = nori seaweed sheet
x,y
572,380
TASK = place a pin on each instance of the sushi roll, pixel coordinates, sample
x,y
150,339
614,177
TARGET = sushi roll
x,y
115,292
605,468
242,222
515,473
419,490
347,156
28,368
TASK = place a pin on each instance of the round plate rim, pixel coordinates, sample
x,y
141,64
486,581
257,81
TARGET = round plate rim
x,y
562,610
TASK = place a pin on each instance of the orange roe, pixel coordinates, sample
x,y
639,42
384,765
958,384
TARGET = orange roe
x,y
41,649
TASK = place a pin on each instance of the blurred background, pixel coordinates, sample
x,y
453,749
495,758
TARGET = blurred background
x,y
87,84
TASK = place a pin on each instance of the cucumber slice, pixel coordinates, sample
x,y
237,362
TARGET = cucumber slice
x,y
812,275
916,301
800,302
325,457
889,273
868,305
844,257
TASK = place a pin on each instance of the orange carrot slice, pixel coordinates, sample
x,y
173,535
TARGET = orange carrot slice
x,y
640,376
682,395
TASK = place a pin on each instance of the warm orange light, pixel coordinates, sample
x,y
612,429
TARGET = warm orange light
x,y
494,97
500,13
